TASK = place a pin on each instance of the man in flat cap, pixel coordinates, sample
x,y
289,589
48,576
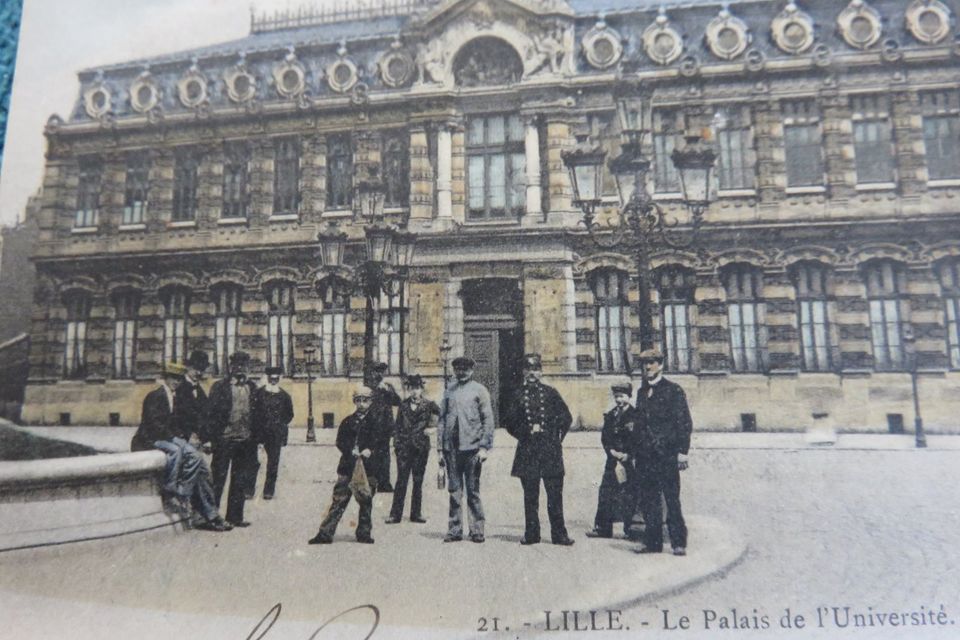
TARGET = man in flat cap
x,y
385,398
359,437
230,421
274,411
464,440
661,446
539,419
412,446
617,496
186,476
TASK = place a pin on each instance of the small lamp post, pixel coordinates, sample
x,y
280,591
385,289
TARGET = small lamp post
x,y
309,353
910,350
445,357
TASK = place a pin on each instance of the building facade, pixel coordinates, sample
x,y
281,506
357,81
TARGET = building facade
x,y
183,197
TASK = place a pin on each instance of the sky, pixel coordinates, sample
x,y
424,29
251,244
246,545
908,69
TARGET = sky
x,y
58,38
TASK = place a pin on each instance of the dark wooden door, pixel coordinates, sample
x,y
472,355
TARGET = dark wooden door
x,y
484,347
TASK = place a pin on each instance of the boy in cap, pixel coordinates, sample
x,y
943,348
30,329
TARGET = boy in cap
x,y
412,446
359,437
617,497
661,447
464,440
274,411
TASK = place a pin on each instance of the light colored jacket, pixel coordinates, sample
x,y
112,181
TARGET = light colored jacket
x,y
468,406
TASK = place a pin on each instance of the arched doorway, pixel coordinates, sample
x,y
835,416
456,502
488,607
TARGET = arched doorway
x,y
487,61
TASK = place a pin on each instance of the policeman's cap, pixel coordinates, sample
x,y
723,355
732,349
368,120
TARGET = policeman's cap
x,y
532,362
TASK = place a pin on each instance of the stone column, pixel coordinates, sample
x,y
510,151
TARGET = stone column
x,y
421,174
908,137
313,178
771,165
532,148
559,138
838,146
445,172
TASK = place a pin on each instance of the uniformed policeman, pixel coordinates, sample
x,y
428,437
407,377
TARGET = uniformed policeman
x,y
539,419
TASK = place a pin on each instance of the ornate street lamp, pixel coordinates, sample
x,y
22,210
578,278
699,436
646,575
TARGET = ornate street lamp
x,y
910,350
640,224
445,349
308,365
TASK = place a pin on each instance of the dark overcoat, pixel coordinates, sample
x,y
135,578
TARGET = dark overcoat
x,y
618,433
409,434
156,421
218,408
665,423
274,411
362,432
189,411
538,455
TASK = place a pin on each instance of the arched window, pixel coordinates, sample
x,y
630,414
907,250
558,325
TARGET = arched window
x,y
339,172
333,329
811,281
745,316
235,180
176,314
185,177
676,286
886,283
286,176
391,313
396,169
88,193
611,306
78,314
126,305
280,325
136,187
228,299
948,272
496,167
487,61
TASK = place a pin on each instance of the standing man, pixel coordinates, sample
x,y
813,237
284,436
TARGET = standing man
x,y
385,398
231,432
191,402
186,476
359,438
412,446
464,440
662,442
274,411
539,419
617,496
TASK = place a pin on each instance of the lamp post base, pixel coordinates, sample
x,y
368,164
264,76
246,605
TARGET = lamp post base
x,y
311,430
920,434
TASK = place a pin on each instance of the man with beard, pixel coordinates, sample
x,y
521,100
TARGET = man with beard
x,y
539,419
274,412
385,398
464,440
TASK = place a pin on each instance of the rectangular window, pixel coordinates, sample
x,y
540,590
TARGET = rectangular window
x,y
886,282
333,332
127,307
810,281
496,167
735,159
186,165
339,172
667,126
872,138
88,194
941,133
949,273
235,181
803,143
601,130
610,289
229,299
176,312
676,289
286,176
78,314
136,188
744,309
389,330
280,326
396,169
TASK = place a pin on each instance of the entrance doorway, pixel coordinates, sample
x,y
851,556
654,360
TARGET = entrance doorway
x,y
493,335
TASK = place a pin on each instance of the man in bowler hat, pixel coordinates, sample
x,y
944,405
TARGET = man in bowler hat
x,y
661,446
274,411
539,419
412,446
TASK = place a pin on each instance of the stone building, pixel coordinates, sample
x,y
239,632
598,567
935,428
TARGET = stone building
x,y
183,197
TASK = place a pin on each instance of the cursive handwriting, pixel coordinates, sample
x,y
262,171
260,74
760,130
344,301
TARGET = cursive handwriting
x,y
266,622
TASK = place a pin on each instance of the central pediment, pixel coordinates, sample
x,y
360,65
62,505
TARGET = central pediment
x,y
487,9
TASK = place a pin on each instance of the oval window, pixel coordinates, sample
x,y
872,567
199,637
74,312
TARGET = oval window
x,y
603,49
194,90
861,29
291,80
241,85
930,23
144,95
99,99
795,34
664,44
728,39
397,69
342,74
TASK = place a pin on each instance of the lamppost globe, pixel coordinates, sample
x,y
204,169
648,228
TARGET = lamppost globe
x,y
379,239
585,164
694,162
332,244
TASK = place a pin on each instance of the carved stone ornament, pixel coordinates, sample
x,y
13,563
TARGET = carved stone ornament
x,y
144,93
192,88
928,20
241,84
662,43
396,66
289,77
792,30
727,35
860,25
342,73
96,100
602,46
